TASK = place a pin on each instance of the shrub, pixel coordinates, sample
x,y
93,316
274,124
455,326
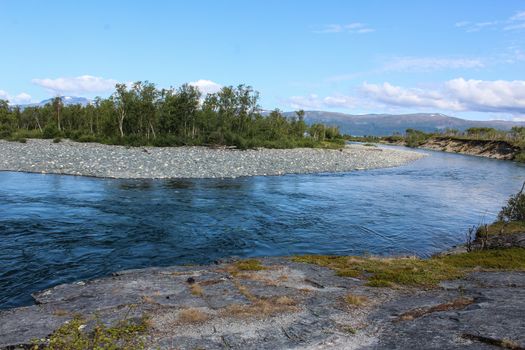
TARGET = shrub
x,y
515,208
86,138
57,140
50,131
520,157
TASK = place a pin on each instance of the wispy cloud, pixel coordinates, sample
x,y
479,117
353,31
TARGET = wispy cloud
x,y
414,64
353,28
515,22
80,84
20,98
430,63
313,101
476,26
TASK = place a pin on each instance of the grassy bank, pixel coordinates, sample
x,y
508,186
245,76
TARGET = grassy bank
x,y
411,271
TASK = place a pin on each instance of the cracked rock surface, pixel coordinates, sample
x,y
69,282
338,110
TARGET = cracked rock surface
x,y
285,305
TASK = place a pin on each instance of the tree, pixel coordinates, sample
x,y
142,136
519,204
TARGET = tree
x,y
57,107
123,99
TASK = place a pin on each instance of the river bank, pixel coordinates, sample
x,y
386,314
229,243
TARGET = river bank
x,y
283,303
482,148
98,160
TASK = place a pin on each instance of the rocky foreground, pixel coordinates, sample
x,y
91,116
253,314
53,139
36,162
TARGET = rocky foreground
x,y
92,159
280,305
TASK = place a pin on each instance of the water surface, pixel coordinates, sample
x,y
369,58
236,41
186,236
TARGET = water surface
x,y
57,229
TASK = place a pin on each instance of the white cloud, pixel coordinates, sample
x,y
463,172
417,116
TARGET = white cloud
x,y
487,96
206,86
430,63
355,28
313,101
457,95
81,84
402,97
21,98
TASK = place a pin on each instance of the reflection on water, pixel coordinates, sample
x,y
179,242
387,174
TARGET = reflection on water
x,y
57,229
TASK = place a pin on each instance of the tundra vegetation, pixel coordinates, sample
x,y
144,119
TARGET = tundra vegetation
x,y
142,114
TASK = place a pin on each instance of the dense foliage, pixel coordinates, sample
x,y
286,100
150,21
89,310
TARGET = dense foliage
x,y
144,115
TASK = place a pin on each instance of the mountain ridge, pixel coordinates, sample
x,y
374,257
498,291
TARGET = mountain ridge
x,y
387,124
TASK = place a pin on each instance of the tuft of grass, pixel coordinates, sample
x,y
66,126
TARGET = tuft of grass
x,y
285,300
192,315
124,335
249,265
57,140
350,330
196,289
356,300
411,271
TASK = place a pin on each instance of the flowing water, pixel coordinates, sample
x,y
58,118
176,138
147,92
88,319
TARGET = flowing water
x,y
57,229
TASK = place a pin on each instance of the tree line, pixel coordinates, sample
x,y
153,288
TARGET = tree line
x,y
142,114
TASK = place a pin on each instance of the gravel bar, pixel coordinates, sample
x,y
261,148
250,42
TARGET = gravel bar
x,y
98,160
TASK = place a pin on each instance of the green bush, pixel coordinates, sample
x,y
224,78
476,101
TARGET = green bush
x,y
515,208
520,157
50,131
87,138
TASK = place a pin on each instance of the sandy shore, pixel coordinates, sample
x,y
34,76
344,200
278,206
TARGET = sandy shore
x,y
91,159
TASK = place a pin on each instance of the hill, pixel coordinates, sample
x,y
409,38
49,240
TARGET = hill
x,y
387,124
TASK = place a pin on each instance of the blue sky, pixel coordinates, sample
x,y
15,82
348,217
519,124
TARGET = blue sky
x,y
462,58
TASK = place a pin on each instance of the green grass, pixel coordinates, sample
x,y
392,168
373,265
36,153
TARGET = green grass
x,y
125,335
249,265
500,227
385,272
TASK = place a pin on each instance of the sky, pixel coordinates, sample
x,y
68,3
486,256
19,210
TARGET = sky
x,y
463,58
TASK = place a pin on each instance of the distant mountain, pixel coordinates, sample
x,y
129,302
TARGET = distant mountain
x,y
387,124
67,100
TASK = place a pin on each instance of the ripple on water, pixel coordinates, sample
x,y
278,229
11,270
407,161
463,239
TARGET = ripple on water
x,y
58,229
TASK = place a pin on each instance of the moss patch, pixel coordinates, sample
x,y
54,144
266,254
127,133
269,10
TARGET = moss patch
x,y
385,272
249,265
71,335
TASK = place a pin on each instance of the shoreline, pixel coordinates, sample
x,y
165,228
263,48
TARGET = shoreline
x,y
120,162
498,150
278,302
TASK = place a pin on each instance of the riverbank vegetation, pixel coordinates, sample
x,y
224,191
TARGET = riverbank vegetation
x,y
141,114
502,144
412,271
511,140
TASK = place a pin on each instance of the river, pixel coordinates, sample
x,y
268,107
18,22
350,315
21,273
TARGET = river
x,y
57,229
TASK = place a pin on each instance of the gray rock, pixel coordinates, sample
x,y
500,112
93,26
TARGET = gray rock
x,y
92,159
287,305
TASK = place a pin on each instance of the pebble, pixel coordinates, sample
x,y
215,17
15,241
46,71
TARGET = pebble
x,y
98,160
